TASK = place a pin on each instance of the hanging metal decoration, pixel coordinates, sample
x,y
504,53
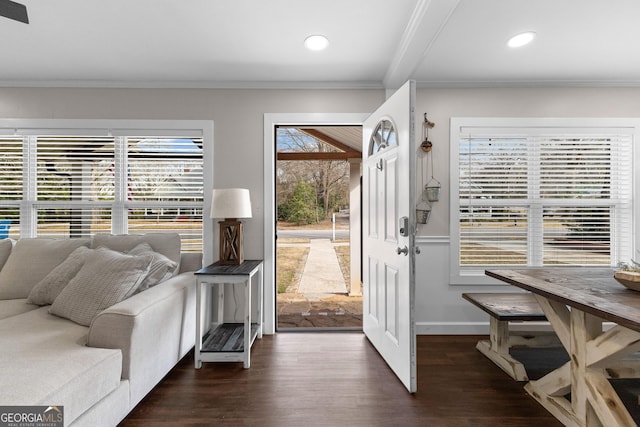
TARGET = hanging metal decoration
x,y
426,145
423,209
423,212
432,189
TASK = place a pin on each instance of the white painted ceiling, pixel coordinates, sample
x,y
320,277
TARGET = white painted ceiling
x,y
373,43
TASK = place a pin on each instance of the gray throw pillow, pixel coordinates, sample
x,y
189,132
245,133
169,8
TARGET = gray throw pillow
x,y
161,268
47,289
31,260
168,244
5,250
106,278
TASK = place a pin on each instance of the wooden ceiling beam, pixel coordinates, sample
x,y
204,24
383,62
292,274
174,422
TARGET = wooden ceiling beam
x,y
315,155
329,140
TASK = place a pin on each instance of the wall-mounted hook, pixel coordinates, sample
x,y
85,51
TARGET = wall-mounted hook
x,y
427,123
379,164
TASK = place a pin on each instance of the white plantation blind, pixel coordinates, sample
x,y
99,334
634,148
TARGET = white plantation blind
x,y
71,220
543,197
74,185
75,168
165,169
11,169
11,188
165,187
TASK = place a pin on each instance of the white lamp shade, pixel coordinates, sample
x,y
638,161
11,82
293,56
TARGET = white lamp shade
x,y
230,203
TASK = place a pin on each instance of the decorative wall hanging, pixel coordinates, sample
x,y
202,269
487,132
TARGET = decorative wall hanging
x,y
430,191
426,145
423,209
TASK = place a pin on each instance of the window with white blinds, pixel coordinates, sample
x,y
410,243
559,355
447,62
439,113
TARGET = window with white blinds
x,y
540,196
75,185
10,186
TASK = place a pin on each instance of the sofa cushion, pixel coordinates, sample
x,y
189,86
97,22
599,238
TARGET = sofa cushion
x,y
30,261
47,289
168,244
44,361
105,278
5,250
11,307
161,268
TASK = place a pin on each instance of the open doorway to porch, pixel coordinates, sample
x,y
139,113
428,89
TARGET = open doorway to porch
x,y
317,183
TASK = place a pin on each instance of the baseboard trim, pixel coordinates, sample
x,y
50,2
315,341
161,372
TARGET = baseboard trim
x,y
452,328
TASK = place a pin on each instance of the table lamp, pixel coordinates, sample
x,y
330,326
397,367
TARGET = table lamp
x,y
231,204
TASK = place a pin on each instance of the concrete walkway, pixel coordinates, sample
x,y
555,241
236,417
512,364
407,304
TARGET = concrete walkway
x,y
321,276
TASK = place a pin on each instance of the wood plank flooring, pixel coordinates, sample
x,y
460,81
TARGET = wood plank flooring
x,y
338,379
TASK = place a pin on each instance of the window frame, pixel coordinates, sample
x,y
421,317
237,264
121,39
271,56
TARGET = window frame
x,y
459,275
120,130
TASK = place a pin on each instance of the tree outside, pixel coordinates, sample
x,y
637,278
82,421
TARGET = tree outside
x,y
309,191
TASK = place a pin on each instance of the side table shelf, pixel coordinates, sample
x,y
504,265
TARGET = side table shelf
x,y
227,338
228,342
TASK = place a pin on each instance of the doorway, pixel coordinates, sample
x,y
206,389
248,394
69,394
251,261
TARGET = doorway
x,y
317,200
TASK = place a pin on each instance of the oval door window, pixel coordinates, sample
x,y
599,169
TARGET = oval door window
x,y
384,136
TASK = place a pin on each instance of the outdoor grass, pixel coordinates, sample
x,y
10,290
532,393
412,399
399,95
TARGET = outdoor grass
x,y
290,261
344,259
283,240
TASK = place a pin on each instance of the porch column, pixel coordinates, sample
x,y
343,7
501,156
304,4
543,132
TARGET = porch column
x,y
355,226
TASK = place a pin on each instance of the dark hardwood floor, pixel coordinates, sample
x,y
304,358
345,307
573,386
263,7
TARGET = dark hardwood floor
x,y
338,379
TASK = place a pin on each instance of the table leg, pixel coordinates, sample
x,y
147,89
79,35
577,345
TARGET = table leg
x,y
497,350
198,362
594,355
584,328
550,390
260,313
247,323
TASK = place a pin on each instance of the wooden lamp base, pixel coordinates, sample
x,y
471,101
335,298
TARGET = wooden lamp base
x,y
231,250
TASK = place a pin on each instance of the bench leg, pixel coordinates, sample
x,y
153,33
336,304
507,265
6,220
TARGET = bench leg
x,y
497,350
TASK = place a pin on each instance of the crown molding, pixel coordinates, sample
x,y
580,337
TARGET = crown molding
x,y
114,84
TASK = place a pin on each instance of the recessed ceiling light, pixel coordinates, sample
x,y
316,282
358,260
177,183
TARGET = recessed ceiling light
x,y
521,39
316,42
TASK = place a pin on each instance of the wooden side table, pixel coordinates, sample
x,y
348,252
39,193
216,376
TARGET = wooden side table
x,y
228,342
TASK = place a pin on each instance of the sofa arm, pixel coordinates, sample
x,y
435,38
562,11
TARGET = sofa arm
x,y
154,329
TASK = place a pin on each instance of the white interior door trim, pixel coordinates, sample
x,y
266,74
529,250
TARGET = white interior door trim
x,y
271,120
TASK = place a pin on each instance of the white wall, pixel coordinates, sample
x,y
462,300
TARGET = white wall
x,y
238,150
439,307
238,117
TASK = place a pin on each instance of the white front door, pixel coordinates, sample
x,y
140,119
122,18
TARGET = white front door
x,y
388,229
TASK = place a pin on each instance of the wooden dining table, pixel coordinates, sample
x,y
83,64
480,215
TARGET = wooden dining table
x,y
597,320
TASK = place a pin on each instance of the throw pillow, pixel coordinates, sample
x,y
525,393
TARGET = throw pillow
x,y
5,250
161,268
106,278
168,244
31,260
46,290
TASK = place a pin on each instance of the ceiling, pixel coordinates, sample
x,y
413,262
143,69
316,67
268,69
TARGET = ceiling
x,y
349,136
373,43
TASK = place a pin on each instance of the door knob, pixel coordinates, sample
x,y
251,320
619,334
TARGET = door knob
x,y
404,251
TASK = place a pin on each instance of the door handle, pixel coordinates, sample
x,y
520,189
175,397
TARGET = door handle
x,y
404,251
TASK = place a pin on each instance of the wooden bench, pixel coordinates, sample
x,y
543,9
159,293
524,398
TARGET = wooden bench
x,y
502,309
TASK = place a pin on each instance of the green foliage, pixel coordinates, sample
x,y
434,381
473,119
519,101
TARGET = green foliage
x,y
301,207
629,266
336,200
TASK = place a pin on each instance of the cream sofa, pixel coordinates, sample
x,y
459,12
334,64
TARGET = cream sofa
x,y
99,365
